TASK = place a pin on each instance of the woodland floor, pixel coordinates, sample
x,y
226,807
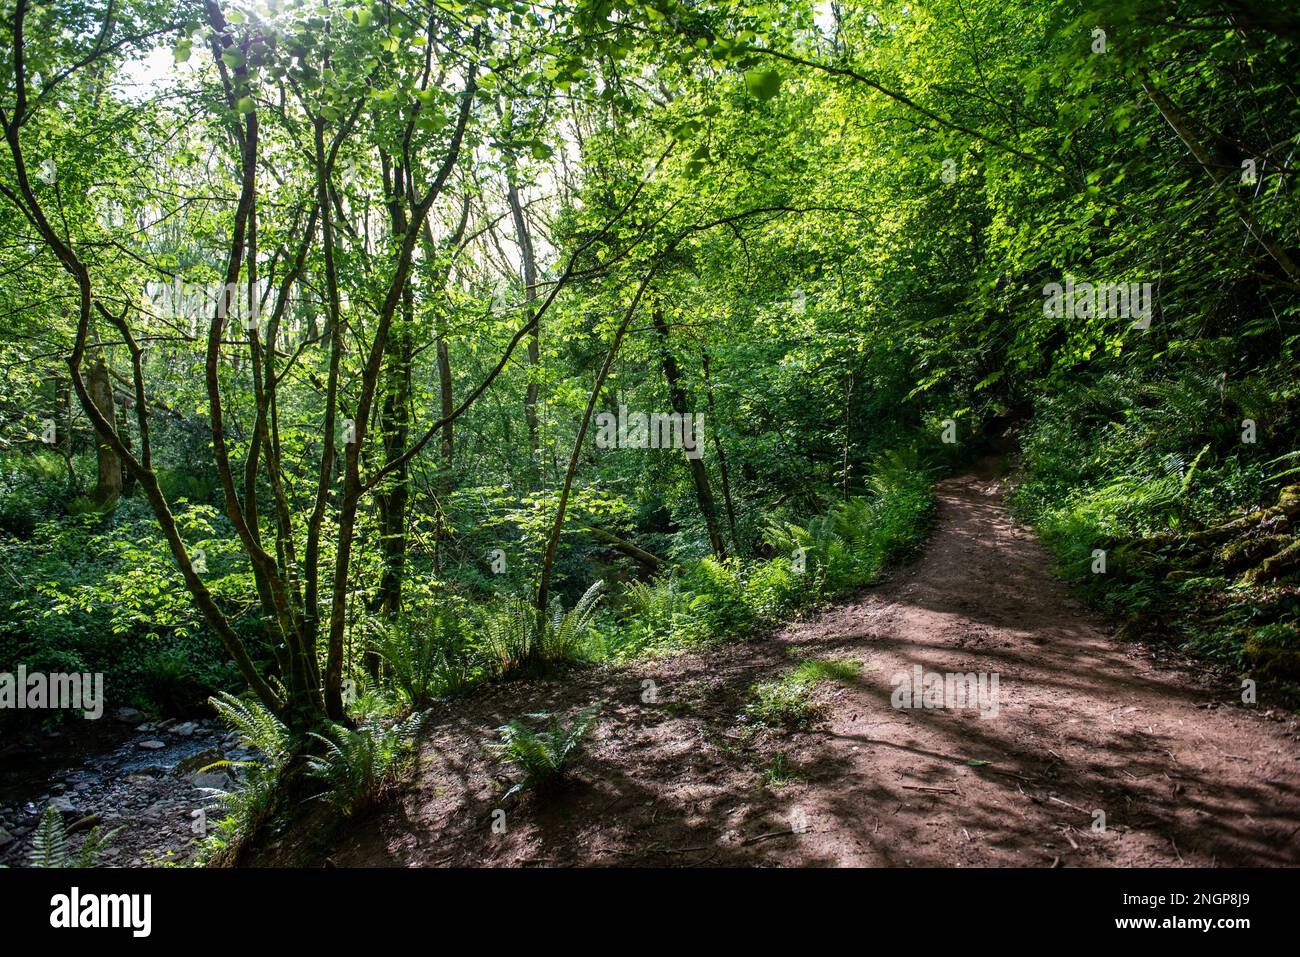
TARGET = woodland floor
x,y
1184,772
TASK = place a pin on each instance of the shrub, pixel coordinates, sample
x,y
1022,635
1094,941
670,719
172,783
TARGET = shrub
x,y
515,637
428,657
542,756
719,587
360,767
774,589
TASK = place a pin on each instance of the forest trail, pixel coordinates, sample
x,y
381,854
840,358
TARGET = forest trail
x,y
1184,773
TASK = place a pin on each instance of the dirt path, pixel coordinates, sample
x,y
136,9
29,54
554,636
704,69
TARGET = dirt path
x,y
1182,771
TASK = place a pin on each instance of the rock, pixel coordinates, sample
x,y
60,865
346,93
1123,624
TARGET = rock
x,y
90,820
186,729
62,804
129,716
5,837
197,761
150,745
210,779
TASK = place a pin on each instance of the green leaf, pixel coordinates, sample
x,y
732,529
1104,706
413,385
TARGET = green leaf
x,y
763,84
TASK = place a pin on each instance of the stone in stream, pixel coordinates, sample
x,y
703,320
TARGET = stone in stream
x,y
186,729
62,804
5,837
150,745
217,780
198,761
129,716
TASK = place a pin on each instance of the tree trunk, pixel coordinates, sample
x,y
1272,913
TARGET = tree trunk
x,y
446,406
722,458
525,241
699,475
1218,172
108,485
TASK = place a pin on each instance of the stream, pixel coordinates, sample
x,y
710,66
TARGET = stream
x,y
124,770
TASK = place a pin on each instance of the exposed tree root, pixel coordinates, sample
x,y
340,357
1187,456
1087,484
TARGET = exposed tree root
x,y
1277,565
1261,546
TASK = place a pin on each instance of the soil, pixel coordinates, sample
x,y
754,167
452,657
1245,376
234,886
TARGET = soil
x,y
1183,771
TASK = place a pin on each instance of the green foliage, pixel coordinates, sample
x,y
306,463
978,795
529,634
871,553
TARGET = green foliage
x,y
50,847
726,600
850,545
33,488
542,756
1134,459
428,657
785,703
359,767
843,220
515,637
789,702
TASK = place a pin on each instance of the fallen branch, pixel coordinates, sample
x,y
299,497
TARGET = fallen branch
x,y
764,837
635,551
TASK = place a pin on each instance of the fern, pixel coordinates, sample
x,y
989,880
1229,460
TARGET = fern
x,y
509,636
565,632
256,727
542,756
252,800
359,767
50,843
514,637
427,658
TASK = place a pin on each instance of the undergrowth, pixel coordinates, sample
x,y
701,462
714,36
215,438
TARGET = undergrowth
x,y
1132,481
